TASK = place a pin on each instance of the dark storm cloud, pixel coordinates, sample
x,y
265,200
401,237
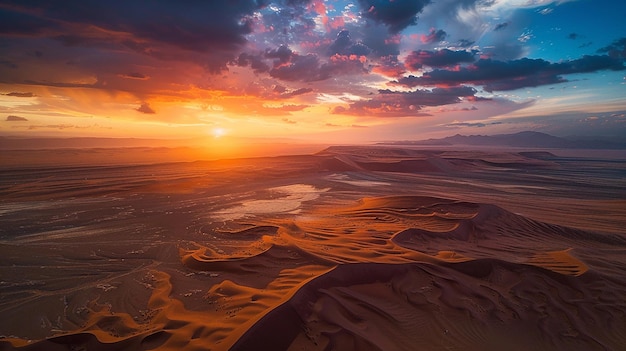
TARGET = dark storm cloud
x,y
282,54
510,75
573,36
592,63
135,75
18,23
197,26
440,58
390,103
145,108
16,119
341,44
434,36
617,49
255,62
290,66
344,45
300,68
396,15
146,26
501,26
434,97
19,94
380,42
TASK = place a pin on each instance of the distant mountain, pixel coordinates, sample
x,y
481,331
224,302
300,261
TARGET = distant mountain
x,y
527,139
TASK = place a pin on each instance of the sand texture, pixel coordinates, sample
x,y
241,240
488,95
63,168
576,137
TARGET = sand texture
x,y
352,248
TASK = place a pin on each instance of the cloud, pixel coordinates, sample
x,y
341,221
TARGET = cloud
x,y
573,36
290,108
215,29
344,45
14,22
16,119
287,65
380,41
58,126
282,54
18,94
63,84
546,11
256,107
289,94
617,49
285,23
396,15
390,103
464,21
510,75
434,36
254,61
275,50
299,68
471,124
465,43
389,66
440,58
505,49
145,108
135,75
308,68
508,39
501,26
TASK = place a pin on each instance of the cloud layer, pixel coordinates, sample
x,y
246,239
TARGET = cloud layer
x,y
179,62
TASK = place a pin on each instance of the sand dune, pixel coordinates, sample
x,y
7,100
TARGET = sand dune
x,y
350,249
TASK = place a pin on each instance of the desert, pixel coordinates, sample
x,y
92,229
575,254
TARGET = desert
x,y
349,248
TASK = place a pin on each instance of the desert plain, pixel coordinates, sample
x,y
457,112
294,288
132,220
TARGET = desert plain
x,y
348,248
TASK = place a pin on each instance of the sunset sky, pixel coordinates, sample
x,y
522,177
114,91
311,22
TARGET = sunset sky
x,y
336,71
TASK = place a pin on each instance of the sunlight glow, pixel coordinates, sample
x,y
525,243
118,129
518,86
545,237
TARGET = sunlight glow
x,y
218,132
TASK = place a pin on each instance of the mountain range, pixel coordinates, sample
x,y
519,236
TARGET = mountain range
x,y
527,139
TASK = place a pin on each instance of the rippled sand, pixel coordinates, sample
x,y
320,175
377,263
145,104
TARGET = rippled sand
x,y
354,248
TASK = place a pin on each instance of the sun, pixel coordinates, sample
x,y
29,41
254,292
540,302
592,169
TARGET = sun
x,y
218,132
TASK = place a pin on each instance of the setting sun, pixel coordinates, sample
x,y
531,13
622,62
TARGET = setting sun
x,y
218,132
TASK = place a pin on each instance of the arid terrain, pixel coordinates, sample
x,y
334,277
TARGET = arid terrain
x,y
350,248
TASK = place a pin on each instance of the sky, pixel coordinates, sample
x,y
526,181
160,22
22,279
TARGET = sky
x,y
328,71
